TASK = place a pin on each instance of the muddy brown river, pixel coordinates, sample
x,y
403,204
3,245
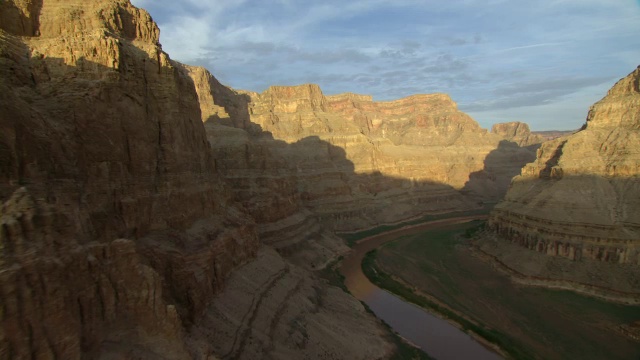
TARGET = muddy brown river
x,y
437,337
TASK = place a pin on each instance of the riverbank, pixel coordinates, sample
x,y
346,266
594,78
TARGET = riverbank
x,y
567,274
404,348
439,338
493,340
353,237
436,269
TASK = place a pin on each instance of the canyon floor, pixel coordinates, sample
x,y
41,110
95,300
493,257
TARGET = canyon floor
x,y
541,323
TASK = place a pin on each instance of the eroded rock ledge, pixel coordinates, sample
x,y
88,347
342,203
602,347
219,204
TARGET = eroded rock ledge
x,y
608,281
353,162
118,227
134,185
579,198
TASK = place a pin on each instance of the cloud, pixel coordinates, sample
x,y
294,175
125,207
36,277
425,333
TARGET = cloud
x,y
491,56
533,93
567,112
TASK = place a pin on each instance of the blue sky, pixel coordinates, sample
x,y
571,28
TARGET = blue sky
x,y
543,62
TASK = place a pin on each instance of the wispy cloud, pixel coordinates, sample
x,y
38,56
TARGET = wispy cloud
x,y
495,57
524,47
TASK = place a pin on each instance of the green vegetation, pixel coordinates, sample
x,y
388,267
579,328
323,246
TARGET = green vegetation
x,y
472,231
333,275
352,238
383,280
622,313
526,322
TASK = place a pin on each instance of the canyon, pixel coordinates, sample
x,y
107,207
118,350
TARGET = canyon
x,y
148,211
577,199
568,220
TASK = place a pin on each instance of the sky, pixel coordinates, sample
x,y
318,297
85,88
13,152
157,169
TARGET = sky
x,y
543,62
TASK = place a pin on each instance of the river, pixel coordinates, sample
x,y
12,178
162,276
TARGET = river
x,y
437,337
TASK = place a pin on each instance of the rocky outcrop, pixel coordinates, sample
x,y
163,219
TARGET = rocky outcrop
x,y
353,162
133,186
61,299
116,232
272,309
517,132
579,199
119,226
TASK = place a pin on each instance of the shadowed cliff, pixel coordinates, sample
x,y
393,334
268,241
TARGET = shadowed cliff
x,y
365,163
124,212
120,222
578,199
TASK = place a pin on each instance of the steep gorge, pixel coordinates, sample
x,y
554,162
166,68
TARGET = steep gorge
x,y
579,198
101,141
133,185
117,230
356,163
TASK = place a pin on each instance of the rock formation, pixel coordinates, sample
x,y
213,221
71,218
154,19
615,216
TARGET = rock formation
x,y
579,199
133,185
355,162
116,228
517,132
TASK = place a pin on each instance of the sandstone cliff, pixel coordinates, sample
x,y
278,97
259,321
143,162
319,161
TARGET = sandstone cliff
x,y
117,229
517,132
553,134
579,199
133,185
353,162
102,130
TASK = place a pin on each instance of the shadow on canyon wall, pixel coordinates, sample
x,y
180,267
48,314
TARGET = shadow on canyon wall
x,y
490,184
25,26
108,153
123,153
112,153
483,188
549,171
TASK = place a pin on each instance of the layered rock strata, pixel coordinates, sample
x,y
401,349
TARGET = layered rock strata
x,y
133,185
354,162
579,198
64,300
101,132
117,229
517,132
272,309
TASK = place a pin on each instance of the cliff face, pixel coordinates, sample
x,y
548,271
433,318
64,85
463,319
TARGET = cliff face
x,y
517,132
101,140
579,198
354,162
133,185
116,229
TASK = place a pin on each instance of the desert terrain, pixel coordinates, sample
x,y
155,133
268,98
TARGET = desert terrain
x,y
151,212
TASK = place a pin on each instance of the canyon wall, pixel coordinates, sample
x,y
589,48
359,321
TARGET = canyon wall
x,y
117,230
580,198
297,157
517,132
101,140
133,185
